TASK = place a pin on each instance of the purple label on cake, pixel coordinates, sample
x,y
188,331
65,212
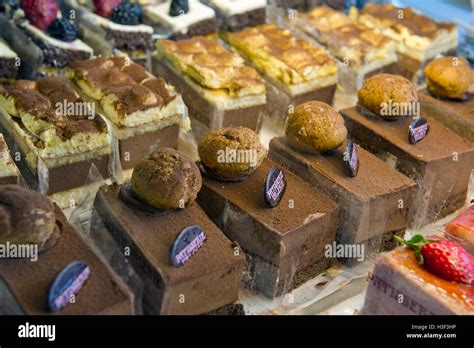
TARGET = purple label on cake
x,y
188,242
418,130
275,185
351,158
67,283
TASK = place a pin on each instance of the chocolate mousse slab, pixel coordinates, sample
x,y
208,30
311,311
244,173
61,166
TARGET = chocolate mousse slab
x,y
236,15
103,293
441,163
209,281
373,205
285,245
217,87
457,115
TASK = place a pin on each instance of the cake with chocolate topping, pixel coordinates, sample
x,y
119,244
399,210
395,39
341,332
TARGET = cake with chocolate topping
x,y
56,132
235,15
43,39
366,189
29,221
448,97
186,263
144,111
217,87
178,19
440,282
8,62
295,70
111,26
419,38
281,222
9,173
415,144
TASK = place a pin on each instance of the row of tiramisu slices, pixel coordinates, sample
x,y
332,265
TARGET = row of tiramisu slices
x,y
231,211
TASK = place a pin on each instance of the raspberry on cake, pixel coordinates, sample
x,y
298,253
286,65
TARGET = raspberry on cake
x,y
235,15
30,220
296,70
144,110
54,141
154,216
218,88
44,41
180,19
361,49
419,38
9,173
8,62
110,26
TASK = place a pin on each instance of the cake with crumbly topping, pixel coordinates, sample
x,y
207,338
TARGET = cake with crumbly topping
x,y
296,70
419,38
218,88
56,132
144,110
9,173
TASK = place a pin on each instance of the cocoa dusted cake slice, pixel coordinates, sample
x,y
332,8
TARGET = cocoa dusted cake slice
x,y
374,199
9,173
48,266
449,96
281,222
187,264
144,111
419,38
181,19
235,15
45,41
387,122
217,87
57,133
296,70
9,62
431,277
362,50
109,26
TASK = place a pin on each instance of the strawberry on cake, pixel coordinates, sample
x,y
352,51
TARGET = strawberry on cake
x,y
428,276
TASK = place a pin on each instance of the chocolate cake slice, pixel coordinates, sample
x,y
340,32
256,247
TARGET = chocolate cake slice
x,y
400,286
178,24
9,173
30,278
8,62
441,163
373,205
144,112
217,87
295,70
457,115
57,133
285,245
209,281
235,15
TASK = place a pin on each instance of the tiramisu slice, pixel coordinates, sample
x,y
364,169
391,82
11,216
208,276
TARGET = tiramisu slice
x,y
217,87
419,38
436,278
144,110
43,39
109,26
57,133
48,266
180,19
9,62
361,50
296,70
235,15
9,173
